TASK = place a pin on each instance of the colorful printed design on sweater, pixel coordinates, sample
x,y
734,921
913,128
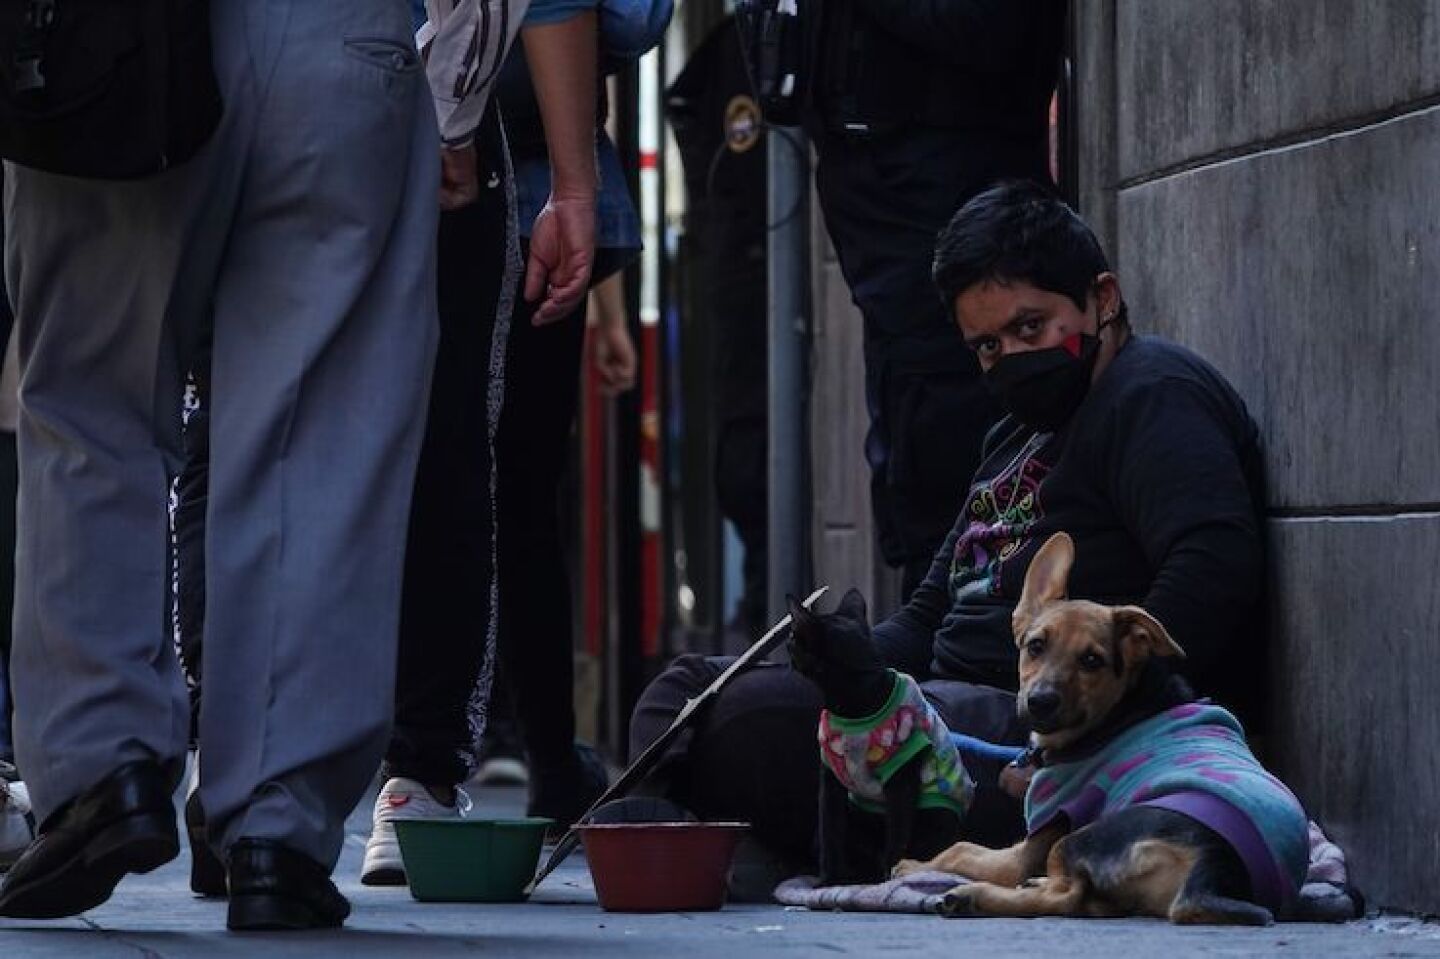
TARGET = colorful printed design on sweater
x,y
999,515
864,753
1191,759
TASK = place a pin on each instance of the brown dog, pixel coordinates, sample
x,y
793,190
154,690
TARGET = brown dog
x,y
1147,803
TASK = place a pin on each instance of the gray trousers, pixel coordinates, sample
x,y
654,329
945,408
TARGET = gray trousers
x,y
304,232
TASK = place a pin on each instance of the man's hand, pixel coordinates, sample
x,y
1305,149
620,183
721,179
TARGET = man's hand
x,y
612,350
561,56
459,177
1015,780
614,358
562,251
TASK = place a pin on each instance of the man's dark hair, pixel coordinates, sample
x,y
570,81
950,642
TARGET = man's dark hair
x,y
1018,231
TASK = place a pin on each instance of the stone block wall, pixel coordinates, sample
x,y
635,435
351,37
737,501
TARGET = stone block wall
x,y
1266,175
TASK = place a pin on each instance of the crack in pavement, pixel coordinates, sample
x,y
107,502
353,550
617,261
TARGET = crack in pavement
x,y
115,937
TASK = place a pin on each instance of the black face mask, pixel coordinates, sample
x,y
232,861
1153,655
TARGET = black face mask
x,y
1043,388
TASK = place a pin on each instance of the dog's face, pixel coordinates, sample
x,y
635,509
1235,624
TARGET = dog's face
x,y
1077,658
835,652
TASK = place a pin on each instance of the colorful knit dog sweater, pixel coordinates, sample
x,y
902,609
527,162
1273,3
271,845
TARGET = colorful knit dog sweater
x,y
864,753
1191,759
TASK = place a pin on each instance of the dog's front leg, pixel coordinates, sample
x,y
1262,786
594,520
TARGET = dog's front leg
x,y
1058,893
1062,897
902,793
1002,867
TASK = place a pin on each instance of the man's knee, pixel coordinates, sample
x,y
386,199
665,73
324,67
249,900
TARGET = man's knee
x,y
994,818
981,711
661,701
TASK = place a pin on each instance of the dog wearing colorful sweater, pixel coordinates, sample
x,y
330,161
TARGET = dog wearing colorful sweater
x,y
889,754
1146,801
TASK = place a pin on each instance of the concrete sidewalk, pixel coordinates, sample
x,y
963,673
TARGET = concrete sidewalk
x,y
155,916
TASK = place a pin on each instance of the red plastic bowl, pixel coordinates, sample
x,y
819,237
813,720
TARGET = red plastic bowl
x,y
661,866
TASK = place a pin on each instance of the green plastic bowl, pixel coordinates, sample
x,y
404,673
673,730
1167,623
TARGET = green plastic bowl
x,y
470,860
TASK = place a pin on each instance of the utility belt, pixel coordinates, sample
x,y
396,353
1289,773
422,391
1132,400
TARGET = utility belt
x,y
826,64
935,105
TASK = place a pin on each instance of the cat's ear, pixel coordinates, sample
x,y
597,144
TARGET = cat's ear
x,y
852,606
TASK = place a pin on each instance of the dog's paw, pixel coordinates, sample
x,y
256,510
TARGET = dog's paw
x,y
906,866
959,903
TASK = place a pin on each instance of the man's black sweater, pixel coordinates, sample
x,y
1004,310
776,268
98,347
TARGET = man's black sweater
x,y
1158,479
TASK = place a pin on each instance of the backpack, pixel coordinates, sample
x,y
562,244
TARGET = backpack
x,y
105,89
630,28
774,39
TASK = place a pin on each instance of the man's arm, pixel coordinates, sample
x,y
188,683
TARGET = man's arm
x,y
985,35
1175,470
562,60
907,639
613,349
465,42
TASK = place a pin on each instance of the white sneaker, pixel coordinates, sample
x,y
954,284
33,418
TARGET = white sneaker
x,y
502,771
16,832
401,799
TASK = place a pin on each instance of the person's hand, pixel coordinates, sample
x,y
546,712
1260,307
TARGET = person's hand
x,y
562,251
459,177
614,358
1015,780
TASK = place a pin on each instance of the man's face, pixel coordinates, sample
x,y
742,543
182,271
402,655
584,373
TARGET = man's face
x,y
998,319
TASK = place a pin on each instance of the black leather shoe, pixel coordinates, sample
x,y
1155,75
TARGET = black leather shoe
x,y
123,824
207,872
273,887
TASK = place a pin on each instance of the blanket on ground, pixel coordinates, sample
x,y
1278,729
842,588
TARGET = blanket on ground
x,y
1325,896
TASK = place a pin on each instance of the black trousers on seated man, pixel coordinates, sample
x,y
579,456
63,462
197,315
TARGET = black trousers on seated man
x,y
753,755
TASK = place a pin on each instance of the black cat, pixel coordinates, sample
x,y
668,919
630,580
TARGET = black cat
x,y
835,652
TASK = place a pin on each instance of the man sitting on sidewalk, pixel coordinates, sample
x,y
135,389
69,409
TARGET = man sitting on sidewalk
x,y
1134,446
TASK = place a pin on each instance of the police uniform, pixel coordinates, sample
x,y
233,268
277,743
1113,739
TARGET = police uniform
x,y
914,107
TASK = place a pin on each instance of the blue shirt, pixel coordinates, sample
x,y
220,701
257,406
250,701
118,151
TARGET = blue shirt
x,y
556,11
617,225
541,11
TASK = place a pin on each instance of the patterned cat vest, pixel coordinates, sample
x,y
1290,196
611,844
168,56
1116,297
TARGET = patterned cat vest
x,y
864,753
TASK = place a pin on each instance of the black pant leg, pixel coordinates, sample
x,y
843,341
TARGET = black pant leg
x,y
444,605
532,451
740,487
994,819
752,756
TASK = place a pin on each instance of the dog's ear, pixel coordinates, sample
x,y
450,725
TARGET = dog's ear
x,y
1141,636
852,606
1044,581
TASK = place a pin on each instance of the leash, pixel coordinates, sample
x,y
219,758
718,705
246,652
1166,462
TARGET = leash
x,y
980,749
650,758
